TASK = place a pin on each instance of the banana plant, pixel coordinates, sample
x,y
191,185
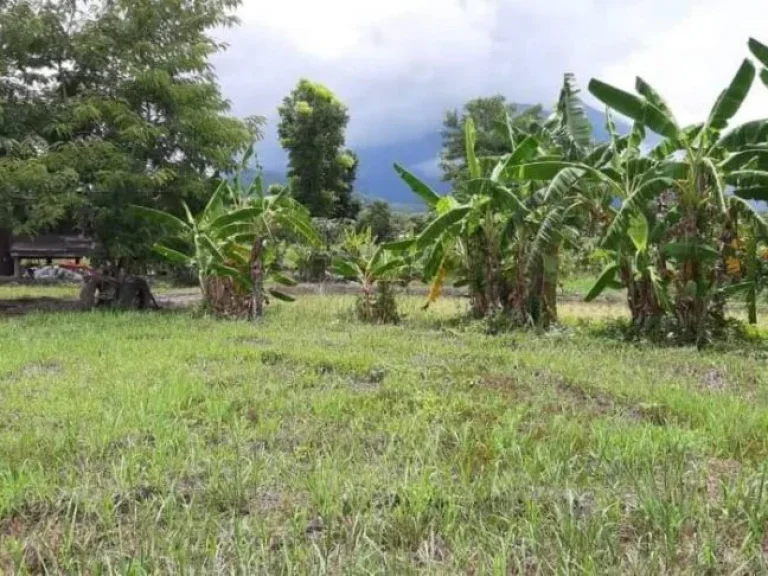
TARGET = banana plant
x,y
748,265
464,238
234,238
195,232
374,269
251,233
701,161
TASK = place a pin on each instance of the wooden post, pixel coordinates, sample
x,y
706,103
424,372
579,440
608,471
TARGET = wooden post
x,y
17,267
6,262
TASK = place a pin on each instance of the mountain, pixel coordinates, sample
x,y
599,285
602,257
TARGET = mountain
x,y
377,180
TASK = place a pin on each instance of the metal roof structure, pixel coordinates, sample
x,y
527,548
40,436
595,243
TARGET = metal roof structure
x,y
52,246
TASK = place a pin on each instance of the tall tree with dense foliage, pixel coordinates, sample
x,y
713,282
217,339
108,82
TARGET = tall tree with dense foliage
x,y
321,170
109,104
378,218
489,115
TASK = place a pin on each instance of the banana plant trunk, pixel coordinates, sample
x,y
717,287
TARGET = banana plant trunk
x,y
694,303
257,278
477,278
643,304
517,301
549,292
751,260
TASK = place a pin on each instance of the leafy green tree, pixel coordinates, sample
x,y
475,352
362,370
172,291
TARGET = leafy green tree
x,y
110,104
489,115
321,170
378,217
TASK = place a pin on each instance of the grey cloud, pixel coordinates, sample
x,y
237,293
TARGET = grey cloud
x,y
400,80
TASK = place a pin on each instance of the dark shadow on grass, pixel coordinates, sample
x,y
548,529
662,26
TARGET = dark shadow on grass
x,y
18,307
734,337
22,306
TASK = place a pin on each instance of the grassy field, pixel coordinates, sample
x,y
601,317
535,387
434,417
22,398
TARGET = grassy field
x,y
170,442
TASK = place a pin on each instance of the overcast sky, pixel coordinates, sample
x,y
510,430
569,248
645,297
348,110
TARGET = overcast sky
x,y
398,64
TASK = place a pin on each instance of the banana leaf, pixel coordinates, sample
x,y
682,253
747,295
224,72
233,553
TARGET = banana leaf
x,y
759,51
694,250
399,245
747,134
159,217
603,281
172,255
652,96
282,279
419,188
347,269
470,135
753,193
281,295
441,224
636,108
732,98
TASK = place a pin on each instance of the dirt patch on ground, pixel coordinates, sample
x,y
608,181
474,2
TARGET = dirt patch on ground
x,y
555,392
714,380
720,472
594,403
187,297
32,370
552,393
36,369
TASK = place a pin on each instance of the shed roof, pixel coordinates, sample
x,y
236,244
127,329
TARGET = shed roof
x,y
52,246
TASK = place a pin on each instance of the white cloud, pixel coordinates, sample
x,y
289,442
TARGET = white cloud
x,y
337,29
398,64
429,168
691,62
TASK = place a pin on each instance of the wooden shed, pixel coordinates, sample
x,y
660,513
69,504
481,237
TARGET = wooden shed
x,y
49,247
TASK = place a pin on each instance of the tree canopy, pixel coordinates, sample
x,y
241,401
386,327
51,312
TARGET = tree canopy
x,y
378,217
108,104
321,170
489,115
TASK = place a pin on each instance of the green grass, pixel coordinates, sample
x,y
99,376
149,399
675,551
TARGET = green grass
x,y
170,442
21,291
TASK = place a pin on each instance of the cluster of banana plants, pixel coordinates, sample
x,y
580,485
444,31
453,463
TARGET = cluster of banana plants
x,y
501,231
232,244
679,222
684,207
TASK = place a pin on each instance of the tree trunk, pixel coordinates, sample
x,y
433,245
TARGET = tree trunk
x,y
6,262
257,277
